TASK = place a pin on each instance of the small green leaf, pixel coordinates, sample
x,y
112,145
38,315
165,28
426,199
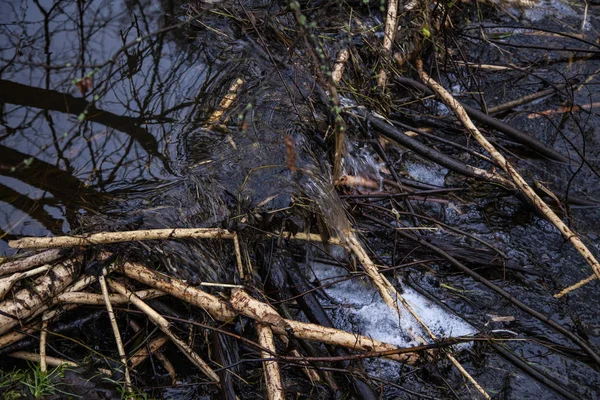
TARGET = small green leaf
x,y
96,97
425,32
28,161
81,117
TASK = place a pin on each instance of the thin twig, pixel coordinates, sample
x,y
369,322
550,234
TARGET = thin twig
x,y
163,325
115,328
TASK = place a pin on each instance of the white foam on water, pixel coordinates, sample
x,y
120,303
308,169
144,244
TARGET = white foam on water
x,y
360,309
359,302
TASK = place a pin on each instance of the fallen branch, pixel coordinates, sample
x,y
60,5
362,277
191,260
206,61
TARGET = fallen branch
x,y
26,263
29,300
115,237
460,112
265,314
163,325
270,367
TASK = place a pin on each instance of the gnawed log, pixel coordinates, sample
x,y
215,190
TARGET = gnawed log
x,y
23,264
265,314
27,301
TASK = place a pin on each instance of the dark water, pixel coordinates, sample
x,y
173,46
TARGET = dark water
x,y
103,132
109,133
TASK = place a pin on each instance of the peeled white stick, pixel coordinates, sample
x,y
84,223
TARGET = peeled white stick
x,y
163,325
27,301
25,263
243,303
52,361
115,328
115,237
271,367
264,313
7,282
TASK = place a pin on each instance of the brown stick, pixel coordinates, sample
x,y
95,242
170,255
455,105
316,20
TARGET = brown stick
x,y
388,38
526,99
142,353
510,170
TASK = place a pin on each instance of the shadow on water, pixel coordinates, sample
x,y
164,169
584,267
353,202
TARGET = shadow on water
x,y
84,136
103,132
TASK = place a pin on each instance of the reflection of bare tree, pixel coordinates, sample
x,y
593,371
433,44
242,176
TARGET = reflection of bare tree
x,y
33,208
40,174
139,97
16,93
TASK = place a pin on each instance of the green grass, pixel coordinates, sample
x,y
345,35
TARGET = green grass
x,y
36,382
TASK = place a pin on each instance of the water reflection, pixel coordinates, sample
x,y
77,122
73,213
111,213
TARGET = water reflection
x,y
109,111
82,120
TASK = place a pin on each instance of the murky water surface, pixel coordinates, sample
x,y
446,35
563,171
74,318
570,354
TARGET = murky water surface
x,y
101,131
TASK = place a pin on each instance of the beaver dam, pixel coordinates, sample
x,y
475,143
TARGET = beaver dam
x,y
314,199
